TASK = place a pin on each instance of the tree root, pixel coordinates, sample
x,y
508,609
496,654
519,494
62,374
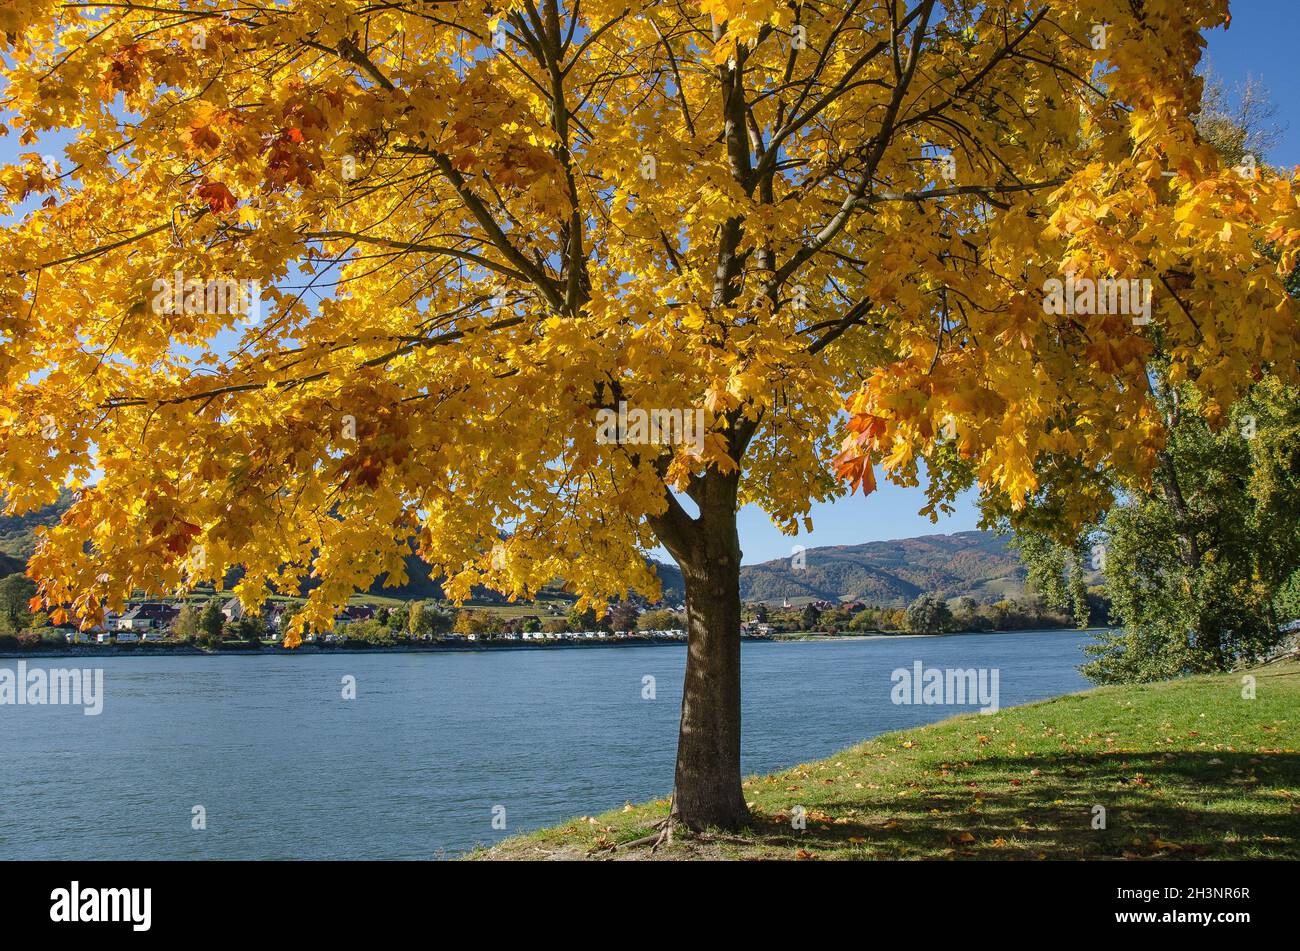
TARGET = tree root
x,y
663,835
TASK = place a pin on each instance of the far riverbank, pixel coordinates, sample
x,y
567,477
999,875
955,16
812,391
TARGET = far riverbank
x,y
144,649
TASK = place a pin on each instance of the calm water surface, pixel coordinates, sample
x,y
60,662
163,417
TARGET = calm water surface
x,y
412,768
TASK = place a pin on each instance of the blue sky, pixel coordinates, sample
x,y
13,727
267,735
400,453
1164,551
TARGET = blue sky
x,y
1261,42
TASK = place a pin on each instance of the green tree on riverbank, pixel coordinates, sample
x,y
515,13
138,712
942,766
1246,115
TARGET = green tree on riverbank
x,y
1197,569
188,625
211,623
425,621
660,619
16,591
1202,566
928,615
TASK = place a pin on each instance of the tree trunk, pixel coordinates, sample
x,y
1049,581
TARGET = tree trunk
x,y
707,782
706,787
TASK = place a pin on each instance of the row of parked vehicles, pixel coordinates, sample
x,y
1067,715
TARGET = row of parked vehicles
x,y
137,637
592,635
114,637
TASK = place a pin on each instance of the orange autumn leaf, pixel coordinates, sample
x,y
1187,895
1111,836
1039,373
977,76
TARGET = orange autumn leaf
x,y
216,195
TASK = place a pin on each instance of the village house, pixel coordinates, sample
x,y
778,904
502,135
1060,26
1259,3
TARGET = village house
x,y
354,612
151,616
108,624
276,614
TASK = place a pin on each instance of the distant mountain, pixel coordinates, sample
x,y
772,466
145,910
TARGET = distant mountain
x,y
419,585
979,565
18,532
670,580
893,573
18,542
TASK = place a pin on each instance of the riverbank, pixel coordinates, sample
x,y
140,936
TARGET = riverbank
x,y
1184,769
38,652
146,649
900,635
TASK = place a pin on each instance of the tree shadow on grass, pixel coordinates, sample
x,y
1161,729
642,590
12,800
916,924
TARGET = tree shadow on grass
x,y
1180,805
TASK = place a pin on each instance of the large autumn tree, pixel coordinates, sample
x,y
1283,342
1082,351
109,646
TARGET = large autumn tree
x,y
474,228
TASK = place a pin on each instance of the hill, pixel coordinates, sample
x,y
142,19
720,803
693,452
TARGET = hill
x,y
18,542
10,565
980,565
893,573
18,532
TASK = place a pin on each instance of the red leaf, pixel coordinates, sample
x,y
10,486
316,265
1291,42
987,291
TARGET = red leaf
x,y
218,197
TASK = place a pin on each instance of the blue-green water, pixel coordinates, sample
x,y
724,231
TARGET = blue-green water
x,y
414,767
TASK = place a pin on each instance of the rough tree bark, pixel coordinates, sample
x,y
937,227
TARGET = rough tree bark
x,y
706,785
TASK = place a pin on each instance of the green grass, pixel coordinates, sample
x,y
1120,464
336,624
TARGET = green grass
x,y
1184,769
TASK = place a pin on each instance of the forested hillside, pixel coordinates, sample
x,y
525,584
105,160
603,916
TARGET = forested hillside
x,y
892,573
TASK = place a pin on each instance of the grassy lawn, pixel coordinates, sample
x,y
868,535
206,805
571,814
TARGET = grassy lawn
x,y
1184,769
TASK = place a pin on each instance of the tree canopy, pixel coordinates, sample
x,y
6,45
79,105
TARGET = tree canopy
x,y
471,230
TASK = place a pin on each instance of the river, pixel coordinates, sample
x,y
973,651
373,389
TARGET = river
x,y
434,745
